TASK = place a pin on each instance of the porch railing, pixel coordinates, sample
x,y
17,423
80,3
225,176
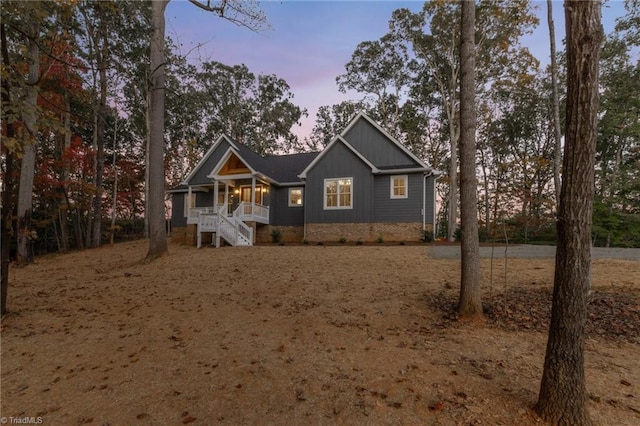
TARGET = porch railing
x,y
254,212
194,212
207,222
234,230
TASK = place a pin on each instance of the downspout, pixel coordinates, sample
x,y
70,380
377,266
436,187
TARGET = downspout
x,y
304,212
424,204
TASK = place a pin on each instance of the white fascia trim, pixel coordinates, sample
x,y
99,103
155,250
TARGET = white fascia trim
x,y
385,133
206,157
230,151
198,188
342,140
404,171
290,184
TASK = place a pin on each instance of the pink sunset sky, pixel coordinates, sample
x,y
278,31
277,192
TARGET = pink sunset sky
x,y
310,41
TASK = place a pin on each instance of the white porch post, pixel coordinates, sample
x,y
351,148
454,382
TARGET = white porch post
x,y
253,194
189,202
215,196
226,197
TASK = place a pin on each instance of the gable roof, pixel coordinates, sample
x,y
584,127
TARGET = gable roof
x,y
343,141
281,169
362,116
206,156
418,164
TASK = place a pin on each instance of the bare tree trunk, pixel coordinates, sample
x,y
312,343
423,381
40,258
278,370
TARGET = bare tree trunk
x,y
6,232
469,304
453,186
563,396
28,164
63,209
157,230
555,102
115,181
100,42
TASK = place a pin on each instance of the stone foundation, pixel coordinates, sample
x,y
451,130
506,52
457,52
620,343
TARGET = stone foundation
x,y
189,236
288,234
366,232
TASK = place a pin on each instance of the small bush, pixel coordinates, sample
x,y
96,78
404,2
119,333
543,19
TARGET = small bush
x,y
359,242
427,236
320,243
380,240
343,240
276,236
305,241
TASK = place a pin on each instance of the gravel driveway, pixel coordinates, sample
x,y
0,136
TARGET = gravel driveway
x,y
526,251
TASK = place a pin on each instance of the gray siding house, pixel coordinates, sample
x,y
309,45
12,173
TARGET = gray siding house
x,y
363,186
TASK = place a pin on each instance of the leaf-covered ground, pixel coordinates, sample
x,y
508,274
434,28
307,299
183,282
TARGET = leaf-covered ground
x,y
611,315
353,335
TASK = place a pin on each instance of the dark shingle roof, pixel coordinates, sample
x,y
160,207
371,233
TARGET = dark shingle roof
x,y
281,168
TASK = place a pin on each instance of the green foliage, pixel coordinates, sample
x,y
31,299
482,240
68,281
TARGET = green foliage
x,y
427,236
380,240
614,229
343,240
276,235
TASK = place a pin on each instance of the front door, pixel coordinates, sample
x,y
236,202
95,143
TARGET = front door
x,y
245,194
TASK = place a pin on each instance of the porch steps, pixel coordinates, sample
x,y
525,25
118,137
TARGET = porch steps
x,y
231,228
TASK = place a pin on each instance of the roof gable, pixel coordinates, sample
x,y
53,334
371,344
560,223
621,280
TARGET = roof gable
x,y
338,140
207,162
377,145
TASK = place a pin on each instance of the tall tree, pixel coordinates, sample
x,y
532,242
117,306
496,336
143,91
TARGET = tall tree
x,y
433,34
156,182
469,303
244,13
7,181
555,102
563,396
28,162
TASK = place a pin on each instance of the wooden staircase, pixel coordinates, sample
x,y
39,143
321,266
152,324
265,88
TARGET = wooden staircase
x,y
230,228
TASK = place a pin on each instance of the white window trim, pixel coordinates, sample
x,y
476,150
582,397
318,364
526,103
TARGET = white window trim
x,y
301,196
406,186
338,207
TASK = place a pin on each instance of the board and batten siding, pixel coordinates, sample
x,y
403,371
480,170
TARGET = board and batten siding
x,y
200,177
339,162
280,213
178,219
376,147
387,209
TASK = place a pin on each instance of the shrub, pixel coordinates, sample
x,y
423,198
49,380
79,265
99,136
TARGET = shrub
x,y
427,236
380,239
343,240
276,236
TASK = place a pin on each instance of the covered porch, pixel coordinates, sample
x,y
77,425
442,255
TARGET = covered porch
x,y
245,199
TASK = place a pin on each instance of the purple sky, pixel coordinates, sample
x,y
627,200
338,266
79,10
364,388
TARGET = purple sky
x,y
311,41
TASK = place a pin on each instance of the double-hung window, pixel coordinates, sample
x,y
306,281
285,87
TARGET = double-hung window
x,y
295,197
338,193
399,186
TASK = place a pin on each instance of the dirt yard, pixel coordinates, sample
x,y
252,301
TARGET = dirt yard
x,y
297,335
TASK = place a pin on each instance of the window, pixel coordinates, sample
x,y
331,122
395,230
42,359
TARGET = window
x,y
295,197
189,203
399,186
338,193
